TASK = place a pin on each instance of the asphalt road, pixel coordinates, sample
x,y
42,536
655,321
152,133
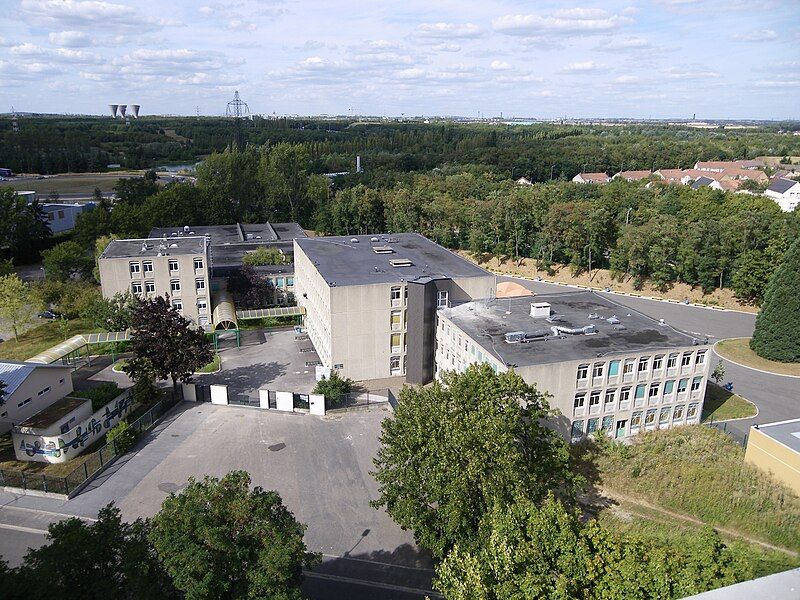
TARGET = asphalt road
x,y
776,396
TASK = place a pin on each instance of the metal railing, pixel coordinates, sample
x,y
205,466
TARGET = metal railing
x,y
357,399
93,463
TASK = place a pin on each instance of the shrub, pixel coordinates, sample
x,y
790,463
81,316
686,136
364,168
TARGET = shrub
x,y
124,435
333,388
100,395
264,256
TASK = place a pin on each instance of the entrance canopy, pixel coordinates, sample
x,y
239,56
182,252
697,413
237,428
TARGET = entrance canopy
x,y
74,344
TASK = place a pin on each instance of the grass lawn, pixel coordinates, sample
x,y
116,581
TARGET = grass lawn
x,y
699,472
738,350
99,395
211,367
41,338
68,184
720,405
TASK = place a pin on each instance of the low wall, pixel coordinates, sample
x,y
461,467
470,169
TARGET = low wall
x,y
61,448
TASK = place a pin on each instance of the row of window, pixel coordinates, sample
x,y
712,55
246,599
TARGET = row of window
x,y
279,281
41,392
666,415
653,392
642,365
174,286
147,266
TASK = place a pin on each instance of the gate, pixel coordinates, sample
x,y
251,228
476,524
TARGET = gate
x,y
202,393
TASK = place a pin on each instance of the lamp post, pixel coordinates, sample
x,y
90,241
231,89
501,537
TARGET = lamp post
x,y
551,171
628,215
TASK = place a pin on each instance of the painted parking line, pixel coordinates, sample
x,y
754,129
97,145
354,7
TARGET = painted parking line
x,y
46,512
23,529
373,584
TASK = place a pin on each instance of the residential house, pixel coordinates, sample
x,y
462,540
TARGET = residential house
x,y
786,192
591,178
633,175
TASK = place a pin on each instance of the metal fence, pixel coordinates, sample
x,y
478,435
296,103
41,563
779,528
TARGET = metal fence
x,y
358,399
736,435
93,463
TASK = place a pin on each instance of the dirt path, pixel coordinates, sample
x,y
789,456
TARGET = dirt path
x,y
613,494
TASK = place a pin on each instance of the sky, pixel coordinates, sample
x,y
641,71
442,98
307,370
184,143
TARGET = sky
x,y
734,59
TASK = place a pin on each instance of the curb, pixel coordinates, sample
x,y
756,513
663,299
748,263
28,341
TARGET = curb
x,y
711,423
714,348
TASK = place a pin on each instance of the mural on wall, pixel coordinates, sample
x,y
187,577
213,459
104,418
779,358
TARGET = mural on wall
x,y
58,449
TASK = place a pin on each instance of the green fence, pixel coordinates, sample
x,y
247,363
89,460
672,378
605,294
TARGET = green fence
x,y
95,463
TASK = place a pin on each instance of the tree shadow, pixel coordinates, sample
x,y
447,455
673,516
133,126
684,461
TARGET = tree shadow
x,y
584,455
250,377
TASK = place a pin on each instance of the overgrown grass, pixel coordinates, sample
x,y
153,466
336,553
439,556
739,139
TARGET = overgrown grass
x,y
699,471
41,338
738,350
720,404
99,395
678,534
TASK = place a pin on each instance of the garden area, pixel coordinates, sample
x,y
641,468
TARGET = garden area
x,y
44,336
738,350
723,405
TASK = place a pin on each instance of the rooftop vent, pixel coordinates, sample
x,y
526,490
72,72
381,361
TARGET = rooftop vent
x,y
145,247
593,316
186,228
173,245
521,337
373,239
354,240
174,233
540,310
613,320
401,262
382,249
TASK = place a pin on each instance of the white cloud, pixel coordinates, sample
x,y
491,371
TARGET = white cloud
x,y
773,83
70,39
448,31
587,66
690,73
240,25
94,14
626,80
519,78
758,35
206,11
446,47
627,43
565,22
500,65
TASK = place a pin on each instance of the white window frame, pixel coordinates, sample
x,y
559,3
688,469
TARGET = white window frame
x,y
176,264
175,286
134,286
442,299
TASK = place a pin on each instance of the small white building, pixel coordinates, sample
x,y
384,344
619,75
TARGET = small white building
x,y
61,217
30,388
786,192
591,178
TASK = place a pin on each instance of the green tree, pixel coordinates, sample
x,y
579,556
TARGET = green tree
x,y
333,388
264,256
249,289
777,332
123,436
718,374
135,190
220,539
67,260
115,557
18,305
455,448
165,343
112,314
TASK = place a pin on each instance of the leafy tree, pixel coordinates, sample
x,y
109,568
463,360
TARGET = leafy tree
x,y
135,190
93,224
112,314
165,343
115,557
455,448
220,539
333,388
6,267
72,299
18,305
718,374
264,256
777,332
123,435
249,289
530,551
67,260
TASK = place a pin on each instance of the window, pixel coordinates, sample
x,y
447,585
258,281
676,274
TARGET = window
x,y
640,391
442,299
644,363
628,369
577,429
658,362
696,383
396,296
61,214
607,422
583,372
598,369
150,287
148,267
663,417
177,304
24,402
136,287
650,417
678,414
175,285
672,361
202,305
199,284
60,382
289,281
397,339
43,392
686,359
669,387
51,216
636,419
580,400
682,386
613,368
610,398
624,397
135,268
279,282
173,266
653,393
700,359
396,320
594,400
692,411
198,264
591,426
394,365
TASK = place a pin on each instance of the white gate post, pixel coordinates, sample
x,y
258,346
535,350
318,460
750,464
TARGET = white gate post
x,y
316,404
284,401
189,392
263,398
219,394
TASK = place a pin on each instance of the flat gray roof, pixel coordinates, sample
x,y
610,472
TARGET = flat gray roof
x,y
487,322
56,411
147,248
785,432
343,261
236,233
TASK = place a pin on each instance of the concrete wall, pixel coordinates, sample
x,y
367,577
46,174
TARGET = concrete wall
x,y
61,448
313,293
773,457
61,217
58,379
116,277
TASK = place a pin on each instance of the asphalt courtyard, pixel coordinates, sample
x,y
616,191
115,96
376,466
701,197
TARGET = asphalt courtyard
x,y
320,466
776,396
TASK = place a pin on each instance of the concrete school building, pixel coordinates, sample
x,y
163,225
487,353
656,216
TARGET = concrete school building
x,y
607,367
775,448
371,300
29,389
